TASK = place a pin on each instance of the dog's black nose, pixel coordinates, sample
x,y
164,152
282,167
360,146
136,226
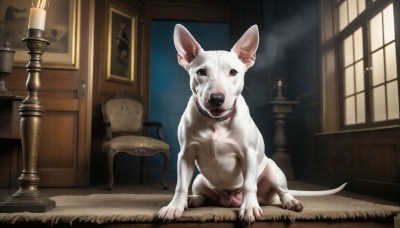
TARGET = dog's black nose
x,y
217,99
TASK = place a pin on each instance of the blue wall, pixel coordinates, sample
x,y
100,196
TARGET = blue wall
x,y
169,82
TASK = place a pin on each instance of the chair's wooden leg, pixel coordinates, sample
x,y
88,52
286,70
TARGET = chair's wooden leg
x,y
164,171
110,168
142,170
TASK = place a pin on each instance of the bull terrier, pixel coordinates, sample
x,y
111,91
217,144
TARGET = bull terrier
x,y
218,136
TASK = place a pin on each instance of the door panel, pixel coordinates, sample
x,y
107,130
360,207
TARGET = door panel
x,y
63,141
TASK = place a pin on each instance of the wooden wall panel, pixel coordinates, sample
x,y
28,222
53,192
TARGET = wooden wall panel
x,y
199,10
363,160
102,87
63,141
367,159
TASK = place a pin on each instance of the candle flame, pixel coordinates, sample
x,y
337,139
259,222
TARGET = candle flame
x,y
42,4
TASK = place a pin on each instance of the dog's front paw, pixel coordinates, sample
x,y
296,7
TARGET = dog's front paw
x,y
169,213
250,210
174,209
196,200
250,214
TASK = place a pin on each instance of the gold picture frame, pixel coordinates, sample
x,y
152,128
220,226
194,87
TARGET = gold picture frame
x,y
61,30
121,45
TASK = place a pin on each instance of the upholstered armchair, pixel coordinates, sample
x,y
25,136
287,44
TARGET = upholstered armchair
x,y
123,118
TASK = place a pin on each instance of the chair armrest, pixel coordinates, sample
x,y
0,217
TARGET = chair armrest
x,y
107,124
158,125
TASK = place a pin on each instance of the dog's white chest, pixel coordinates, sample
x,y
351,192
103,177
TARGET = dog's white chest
x,y
218,159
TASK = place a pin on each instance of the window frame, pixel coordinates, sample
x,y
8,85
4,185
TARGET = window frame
x,y
362,20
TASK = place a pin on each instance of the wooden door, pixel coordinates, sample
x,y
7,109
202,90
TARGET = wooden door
x,y
64,152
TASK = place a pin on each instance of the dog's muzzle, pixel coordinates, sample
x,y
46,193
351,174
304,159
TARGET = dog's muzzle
x,y
204,113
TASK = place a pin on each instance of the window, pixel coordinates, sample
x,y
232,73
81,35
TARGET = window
x,y
349,10
354,90
369,94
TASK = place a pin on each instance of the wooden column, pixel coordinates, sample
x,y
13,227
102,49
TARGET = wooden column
x,y
281,108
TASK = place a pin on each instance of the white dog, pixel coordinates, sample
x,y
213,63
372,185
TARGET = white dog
x,y
217,134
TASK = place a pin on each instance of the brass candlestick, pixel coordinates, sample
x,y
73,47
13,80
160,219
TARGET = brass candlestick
x,y
28,197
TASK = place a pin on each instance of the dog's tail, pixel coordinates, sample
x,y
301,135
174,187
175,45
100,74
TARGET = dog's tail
x,y
317,193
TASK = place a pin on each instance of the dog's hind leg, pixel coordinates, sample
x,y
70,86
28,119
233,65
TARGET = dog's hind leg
x,y
201,191
272,181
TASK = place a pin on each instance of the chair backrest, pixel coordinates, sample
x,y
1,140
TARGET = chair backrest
x,y
124,114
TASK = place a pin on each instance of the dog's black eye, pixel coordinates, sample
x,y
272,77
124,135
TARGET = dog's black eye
x,y
232,72
201,72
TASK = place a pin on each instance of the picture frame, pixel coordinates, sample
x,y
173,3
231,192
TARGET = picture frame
x,y
61,30
121,45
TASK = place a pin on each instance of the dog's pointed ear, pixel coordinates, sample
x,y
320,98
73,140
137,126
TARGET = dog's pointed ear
x,y
186,46
246,47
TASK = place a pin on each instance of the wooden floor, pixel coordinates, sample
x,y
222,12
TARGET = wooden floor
x,y
156,188
133,189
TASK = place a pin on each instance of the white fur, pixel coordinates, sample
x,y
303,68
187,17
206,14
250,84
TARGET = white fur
x,y
228,151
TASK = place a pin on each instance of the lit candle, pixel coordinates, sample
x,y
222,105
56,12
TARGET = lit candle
x,y
37,16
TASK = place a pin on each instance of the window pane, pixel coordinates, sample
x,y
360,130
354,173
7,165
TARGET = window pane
x,y
378,73
360,108
379,104
361,6
376,32
349,81
348,51
358,45
350,112
391,66
343,15
393,100
352,10
359,76
388,23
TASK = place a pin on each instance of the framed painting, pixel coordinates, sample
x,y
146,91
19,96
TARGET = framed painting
x,y
61,30
122,32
